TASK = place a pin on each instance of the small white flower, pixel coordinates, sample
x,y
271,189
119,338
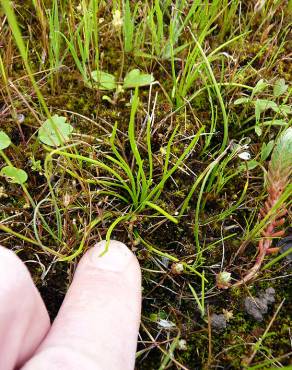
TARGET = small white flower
x,y
243,145
20,118
244,155
2,192
66,200
165,324
225,276
229,56
182,345
177,268
117,19
259,5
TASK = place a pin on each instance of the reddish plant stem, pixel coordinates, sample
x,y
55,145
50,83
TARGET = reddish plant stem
x,y
264,246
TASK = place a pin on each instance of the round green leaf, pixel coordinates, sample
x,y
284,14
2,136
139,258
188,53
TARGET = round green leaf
x,y
4,140
14,175
135,79
104,80
55,131
280,88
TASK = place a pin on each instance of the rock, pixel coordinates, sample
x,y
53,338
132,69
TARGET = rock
x,y
269,295
258,306
218,322
270,291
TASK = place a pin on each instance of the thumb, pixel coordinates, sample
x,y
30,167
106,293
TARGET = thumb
x,y
97,325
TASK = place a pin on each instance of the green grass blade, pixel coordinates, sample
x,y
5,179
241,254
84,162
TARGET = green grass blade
x,y
162,211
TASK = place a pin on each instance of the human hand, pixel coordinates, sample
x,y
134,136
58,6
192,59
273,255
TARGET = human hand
x,y
96,327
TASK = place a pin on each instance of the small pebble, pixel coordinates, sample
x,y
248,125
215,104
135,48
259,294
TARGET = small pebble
x,y
285,244
218,322
165,261
258,306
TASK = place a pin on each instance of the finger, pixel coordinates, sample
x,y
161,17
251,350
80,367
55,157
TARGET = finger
x,y
97,325
24,320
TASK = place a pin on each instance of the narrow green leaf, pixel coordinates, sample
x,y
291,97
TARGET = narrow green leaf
x,y
162,211
267,149
275,122
128,27
258,130
241,101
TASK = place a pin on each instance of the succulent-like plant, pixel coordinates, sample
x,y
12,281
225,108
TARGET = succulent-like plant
x,y
279,172
278,177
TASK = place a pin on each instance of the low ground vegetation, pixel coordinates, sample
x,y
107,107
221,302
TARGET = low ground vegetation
x,y
154,123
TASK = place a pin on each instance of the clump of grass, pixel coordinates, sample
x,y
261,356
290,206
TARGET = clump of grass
x,y
141,191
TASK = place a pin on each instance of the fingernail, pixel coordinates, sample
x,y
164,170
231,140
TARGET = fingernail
x,y
115,259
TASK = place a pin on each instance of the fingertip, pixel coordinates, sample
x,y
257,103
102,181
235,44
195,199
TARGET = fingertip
x,y
100,315
114,256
